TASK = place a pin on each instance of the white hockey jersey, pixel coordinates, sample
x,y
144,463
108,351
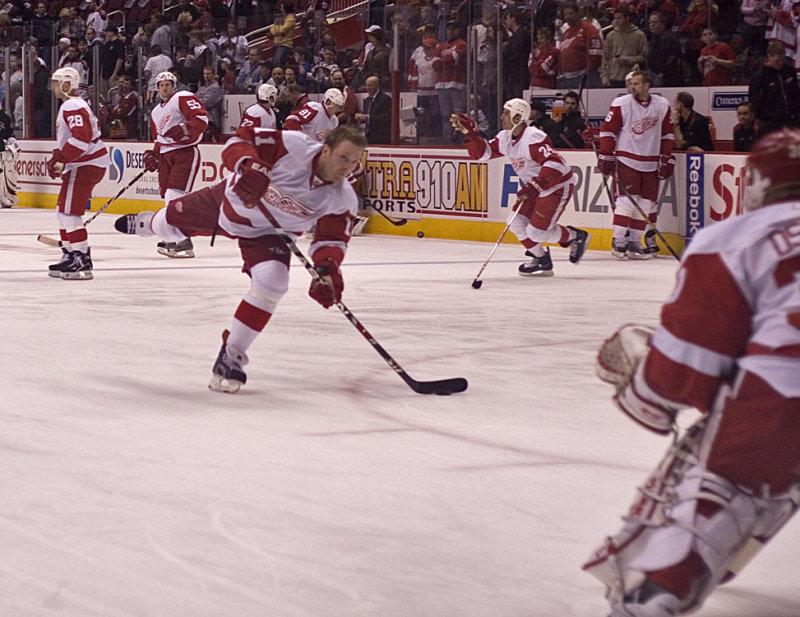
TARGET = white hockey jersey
x,y
531,154
744,270
296,196
313,120
182,107
258,117
78,136
638,132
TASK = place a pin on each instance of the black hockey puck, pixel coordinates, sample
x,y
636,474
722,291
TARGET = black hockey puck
x,y
476,284
420,234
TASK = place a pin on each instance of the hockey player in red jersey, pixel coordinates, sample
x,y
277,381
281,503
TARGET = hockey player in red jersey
x,y
317,119
178,123
547,183
80,160
300,183
261,114
729,346
636,142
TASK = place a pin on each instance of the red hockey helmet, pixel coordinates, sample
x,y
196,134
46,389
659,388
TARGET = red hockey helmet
x,y
773,162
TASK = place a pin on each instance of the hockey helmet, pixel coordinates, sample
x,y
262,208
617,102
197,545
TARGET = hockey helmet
x,y
518,111
266,92
167,76
773,162
66,75
333,96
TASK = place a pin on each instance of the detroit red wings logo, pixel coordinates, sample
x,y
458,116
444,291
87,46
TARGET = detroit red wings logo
x,y
287,203
645,124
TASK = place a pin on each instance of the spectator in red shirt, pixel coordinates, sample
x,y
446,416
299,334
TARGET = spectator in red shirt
x,y
717,60
543,61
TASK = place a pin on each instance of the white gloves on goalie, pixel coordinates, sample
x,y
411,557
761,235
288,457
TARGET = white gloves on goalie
x,y
620,363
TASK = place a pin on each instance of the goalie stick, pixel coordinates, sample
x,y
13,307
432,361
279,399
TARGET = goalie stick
x,y
395,222
439,386
53,242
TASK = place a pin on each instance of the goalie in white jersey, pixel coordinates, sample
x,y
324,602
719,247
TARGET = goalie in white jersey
x,y
261,114
80,159
298,181
636,142
729,346
178,123
317,119
547,183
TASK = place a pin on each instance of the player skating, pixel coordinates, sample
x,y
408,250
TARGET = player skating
x,y
261,114
80,159
636,142
317,119
300,183
547,183
178,123
727,345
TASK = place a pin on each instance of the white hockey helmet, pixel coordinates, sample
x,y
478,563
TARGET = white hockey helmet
x,y
333,96
66,75
266,92
518,111
167,76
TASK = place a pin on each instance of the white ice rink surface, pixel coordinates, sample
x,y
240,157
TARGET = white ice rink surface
x,y
326,487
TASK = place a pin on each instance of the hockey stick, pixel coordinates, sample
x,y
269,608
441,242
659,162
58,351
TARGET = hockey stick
x,y
477,282
53,242
439,386
395,222
646,218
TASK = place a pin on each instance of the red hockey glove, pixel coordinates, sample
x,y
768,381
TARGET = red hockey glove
x,y
464,124
252,183
526,198
607,164
55,164
590,135
179,132
151,160
329,290
666,167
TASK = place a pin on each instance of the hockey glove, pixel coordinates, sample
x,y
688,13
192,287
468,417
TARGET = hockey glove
x,y
607,164
151,160
526,198
666,167
590,135
464,124
55,164
178,133
252,183
328,290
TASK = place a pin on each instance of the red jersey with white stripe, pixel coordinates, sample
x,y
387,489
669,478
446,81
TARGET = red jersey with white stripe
x,y
736,306
296,196
638,132
313,120
182,107
258,117
532,156
580,48
452,67
78,136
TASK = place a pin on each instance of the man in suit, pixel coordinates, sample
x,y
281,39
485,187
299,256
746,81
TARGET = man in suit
x,y
377,113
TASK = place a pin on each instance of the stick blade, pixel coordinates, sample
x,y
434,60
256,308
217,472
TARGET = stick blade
x,y
442,387
48,241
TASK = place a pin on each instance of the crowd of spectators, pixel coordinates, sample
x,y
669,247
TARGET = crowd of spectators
x,y
563,44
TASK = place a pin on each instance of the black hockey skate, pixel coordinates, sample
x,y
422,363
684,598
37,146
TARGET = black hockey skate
x,y
637,251
183,249
650,244
537,266
577,246
79,267
619,249
227,374
55,270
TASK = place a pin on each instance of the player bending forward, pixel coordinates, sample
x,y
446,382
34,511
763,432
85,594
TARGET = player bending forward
x,y
297,181
733,480
261,114
546,189
636,151
178,123
80,160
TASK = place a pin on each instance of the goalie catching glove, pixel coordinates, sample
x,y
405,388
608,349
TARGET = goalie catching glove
x,y
620,362
328,289
464,124
253,182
